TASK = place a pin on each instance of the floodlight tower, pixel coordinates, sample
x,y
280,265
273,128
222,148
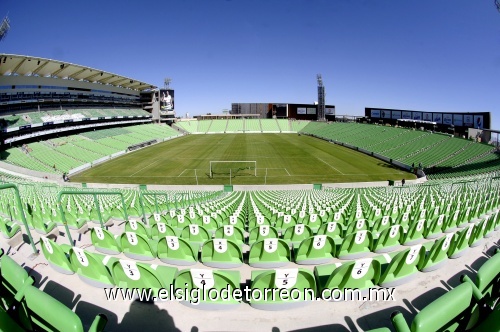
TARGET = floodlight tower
x,y
166,82
4,27
321,98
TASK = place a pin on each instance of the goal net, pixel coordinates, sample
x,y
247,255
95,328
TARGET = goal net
x,y
233,168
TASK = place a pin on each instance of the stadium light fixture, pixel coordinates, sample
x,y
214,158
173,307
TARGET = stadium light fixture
x,y
4,27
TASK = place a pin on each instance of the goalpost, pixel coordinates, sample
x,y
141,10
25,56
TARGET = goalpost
x,y
233,168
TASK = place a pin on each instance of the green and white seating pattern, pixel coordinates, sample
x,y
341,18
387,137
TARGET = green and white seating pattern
x,y
357,243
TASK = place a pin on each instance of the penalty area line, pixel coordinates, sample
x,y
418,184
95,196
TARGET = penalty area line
x,y
330,165
151,163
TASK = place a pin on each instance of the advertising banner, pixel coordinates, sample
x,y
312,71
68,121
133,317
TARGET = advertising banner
x,y
447,119
396,115
458,120
417,115
406,115
437,117
166,100
478,121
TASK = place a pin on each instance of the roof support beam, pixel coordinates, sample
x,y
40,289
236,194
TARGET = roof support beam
x,y
77,73
18,66
40,67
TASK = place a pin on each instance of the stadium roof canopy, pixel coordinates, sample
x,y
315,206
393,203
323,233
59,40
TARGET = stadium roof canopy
x,y
23,65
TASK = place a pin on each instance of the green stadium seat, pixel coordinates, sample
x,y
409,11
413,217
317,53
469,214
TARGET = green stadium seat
x,y
179,222
137,227
358,225
486,286
355,245
177,251
450,312
106,217
490,225
261,232
8,229
294,235
257,221
7,323
453,222
235,221
332,229
57,255
269,253
414,234
230,232
361,274
284,221
161,229
339,217
41,312
104,241
402,267
464,217
315,250
14,279
490,322
44,227
388,240
137,246
313,220
382,223
497,221
195,235
131,274
209,223
437,255
460,244
299,284
434,228
477,238
76,222
93,269
203,281
221,253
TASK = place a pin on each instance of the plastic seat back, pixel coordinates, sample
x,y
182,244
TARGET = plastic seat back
x,y
355,245
104,241
56,255
317,249
221,253
448,313
269,253
177,251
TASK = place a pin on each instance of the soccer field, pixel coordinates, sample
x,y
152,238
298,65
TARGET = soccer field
x,y
280,159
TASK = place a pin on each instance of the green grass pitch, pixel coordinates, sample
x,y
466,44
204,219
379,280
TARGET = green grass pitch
x,y
281,159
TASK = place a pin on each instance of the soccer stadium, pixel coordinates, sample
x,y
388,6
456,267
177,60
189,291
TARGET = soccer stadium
x,y
118,214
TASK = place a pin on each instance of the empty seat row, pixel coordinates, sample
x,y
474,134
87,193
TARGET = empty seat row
x,y
24,307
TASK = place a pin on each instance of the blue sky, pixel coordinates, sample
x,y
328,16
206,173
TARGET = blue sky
x,y
426,55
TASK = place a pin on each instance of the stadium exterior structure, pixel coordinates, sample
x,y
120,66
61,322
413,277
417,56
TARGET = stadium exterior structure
x,y
456,123
283,110
53,91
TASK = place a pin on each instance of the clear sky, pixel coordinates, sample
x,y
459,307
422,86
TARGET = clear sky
x,y
426,55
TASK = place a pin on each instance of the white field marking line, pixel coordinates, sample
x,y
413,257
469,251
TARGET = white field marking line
x,y
151,163
330,165
287,172
258,176
271,168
